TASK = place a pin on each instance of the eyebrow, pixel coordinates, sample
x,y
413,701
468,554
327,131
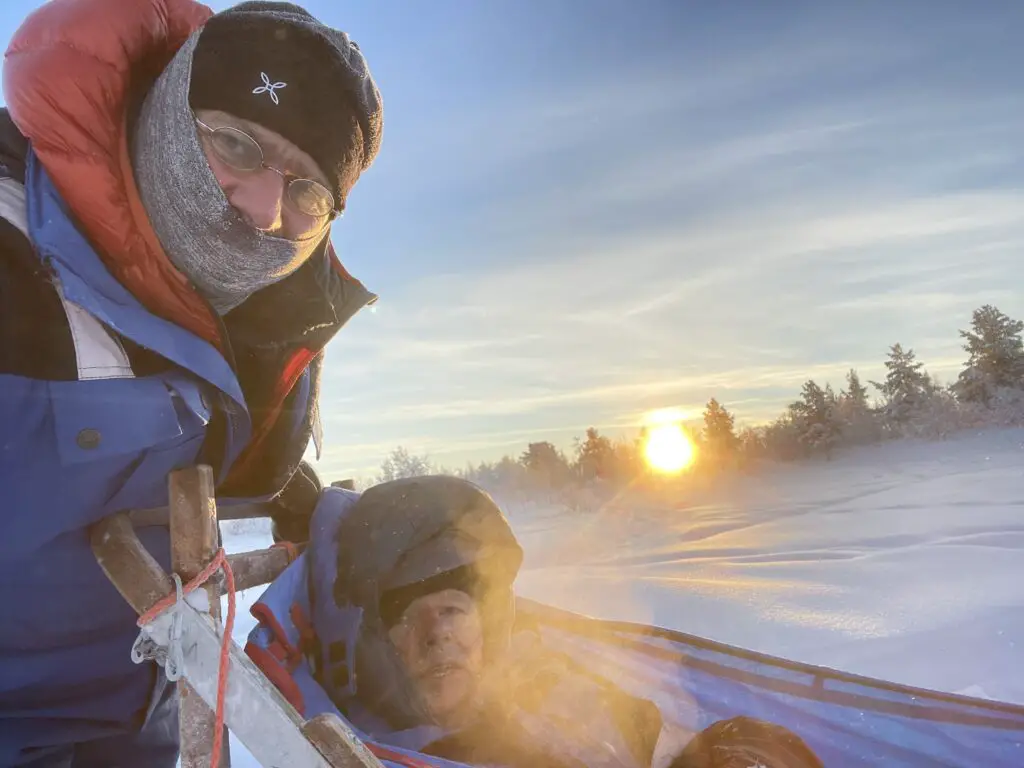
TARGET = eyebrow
x,y
295,162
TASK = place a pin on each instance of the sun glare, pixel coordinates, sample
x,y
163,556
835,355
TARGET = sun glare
x,y
668,449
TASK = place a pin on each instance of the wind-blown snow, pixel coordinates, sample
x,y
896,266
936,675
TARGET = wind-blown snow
x,y
903,561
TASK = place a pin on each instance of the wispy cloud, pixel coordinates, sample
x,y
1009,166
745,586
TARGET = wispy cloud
x,y
706,203
748,301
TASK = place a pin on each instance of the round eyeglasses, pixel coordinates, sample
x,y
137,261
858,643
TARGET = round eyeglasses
x,y
243,153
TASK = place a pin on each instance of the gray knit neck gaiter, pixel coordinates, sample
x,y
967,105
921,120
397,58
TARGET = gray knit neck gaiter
x,y
226,258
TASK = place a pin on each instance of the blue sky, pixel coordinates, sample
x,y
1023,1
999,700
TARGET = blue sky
x,y
584,210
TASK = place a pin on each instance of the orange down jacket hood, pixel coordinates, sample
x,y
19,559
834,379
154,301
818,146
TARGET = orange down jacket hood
x,y
67,79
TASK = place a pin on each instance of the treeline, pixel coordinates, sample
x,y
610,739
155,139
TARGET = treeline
x,y
540,467
908,402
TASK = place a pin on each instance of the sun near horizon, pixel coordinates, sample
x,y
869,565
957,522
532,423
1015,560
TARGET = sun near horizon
x,y
667,447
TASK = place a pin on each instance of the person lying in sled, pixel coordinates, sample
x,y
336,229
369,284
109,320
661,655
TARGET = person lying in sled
x,y
431,563
410,596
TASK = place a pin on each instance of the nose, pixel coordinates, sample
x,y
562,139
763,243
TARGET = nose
x,y
438,629
259,198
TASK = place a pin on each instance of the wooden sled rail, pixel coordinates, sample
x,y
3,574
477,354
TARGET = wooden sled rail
x,y
142,582
261,566
255,711
245,511
162,515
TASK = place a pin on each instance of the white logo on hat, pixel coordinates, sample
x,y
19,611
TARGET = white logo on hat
x,y
269,87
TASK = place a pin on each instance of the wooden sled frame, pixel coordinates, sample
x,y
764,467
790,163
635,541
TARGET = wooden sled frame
x,y
187,638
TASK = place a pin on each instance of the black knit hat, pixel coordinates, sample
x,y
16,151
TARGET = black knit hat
x,y
411,537
394,601
276,65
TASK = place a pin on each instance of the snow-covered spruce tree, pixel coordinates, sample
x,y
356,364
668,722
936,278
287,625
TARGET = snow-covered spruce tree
x,y
546,467
905,391
719,434
815,419
856,394
400,463
995,358
594,456
858,422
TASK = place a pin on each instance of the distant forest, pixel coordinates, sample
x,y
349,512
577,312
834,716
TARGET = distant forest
x,y
988,392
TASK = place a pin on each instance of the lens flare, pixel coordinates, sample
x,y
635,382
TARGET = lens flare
x,y
668,449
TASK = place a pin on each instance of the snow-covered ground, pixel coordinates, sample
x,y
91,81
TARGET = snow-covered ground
x,y
903,561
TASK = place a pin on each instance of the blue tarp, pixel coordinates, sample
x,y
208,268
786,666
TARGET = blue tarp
x,y
846,719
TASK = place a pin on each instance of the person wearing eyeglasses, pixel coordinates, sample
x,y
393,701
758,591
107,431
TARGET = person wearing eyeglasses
x,y
169,178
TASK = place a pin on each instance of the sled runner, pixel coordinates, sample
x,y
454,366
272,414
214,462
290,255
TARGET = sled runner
x,y
847,720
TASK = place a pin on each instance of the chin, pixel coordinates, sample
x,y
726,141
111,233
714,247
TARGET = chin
x,y
447,697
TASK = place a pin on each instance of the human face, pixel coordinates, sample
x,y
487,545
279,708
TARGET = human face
x,y
260,195
439,639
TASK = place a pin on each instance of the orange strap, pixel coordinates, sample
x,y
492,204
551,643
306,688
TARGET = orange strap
x,y
220,561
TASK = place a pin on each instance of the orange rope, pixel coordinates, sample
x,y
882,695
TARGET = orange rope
x,y
219,561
